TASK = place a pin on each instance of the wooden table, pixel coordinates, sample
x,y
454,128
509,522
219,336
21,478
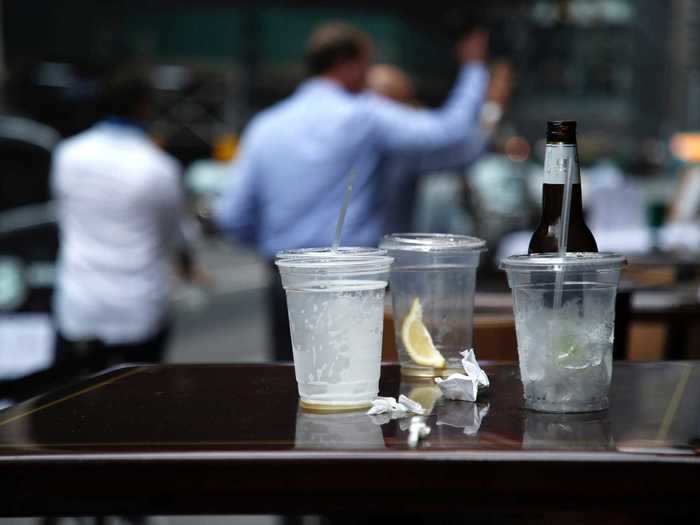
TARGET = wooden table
x,y
232,439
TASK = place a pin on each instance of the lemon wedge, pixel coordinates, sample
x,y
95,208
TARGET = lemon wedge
x,y
417,341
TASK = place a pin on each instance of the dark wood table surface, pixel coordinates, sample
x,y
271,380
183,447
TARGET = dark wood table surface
x,y
232,439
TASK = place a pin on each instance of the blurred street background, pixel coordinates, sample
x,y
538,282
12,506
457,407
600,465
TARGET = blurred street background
x,y
626,70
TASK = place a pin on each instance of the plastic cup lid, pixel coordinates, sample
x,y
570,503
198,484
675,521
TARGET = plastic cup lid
x,y
568,261
432,242
357,258
327,251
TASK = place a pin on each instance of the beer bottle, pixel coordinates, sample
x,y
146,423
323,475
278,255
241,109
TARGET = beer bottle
x,y
560,152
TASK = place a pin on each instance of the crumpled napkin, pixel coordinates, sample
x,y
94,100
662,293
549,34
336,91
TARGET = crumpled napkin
x,y
382,405
389,405
464,387
458,386
411,405
472,368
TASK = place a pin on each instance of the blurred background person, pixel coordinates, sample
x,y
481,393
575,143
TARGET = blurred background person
x,y
288,183
401,172
399,195
499,197
119,206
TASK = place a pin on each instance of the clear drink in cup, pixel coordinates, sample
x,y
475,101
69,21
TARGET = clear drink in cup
x,y
564,309
335,300
432,290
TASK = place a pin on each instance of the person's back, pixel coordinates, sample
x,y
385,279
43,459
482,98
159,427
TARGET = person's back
x,y
111,186
301,183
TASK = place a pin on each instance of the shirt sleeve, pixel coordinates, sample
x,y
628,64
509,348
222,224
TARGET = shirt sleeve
x,y
400,128
235,212
453,156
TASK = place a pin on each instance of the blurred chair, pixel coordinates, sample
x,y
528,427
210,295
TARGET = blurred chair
x,y
28,230
30,242
28,251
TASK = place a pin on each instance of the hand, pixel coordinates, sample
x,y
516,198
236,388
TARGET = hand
x,y
473,47
187,269
501,83
195,275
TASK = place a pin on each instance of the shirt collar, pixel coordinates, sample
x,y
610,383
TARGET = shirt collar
x,y
124,123
320,83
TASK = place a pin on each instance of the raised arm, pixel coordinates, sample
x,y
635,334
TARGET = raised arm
x,y
399,128
453,156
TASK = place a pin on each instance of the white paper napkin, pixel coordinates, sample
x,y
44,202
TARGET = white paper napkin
x,y
458,386
411,405
464,387
472,368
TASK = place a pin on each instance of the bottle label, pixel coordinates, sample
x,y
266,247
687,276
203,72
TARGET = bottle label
x,y
557,158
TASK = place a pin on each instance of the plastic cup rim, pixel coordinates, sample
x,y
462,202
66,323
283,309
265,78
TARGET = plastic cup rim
x,y
569,261
337,264
426,242
328,252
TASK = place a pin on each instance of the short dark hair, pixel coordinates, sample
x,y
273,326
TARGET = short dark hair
x,y
127,91
334,43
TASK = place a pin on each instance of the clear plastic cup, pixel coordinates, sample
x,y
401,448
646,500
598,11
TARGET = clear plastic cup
x,y
336,314
439,271
565,339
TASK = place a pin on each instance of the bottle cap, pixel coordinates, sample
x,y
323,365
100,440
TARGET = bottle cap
x,y
561,131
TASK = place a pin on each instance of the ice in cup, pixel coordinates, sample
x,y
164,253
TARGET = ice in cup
x,y
336,313
564,309
432,290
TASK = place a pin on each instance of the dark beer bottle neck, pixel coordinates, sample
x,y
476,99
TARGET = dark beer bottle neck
x,y
552,195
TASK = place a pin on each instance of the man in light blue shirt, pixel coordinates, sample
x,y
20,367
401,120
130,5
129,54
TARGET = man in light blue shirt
x,y
288,182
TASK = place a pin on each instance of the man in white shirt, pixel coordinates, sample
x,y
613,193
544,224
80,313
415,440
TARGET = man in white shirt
x,y
119,206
